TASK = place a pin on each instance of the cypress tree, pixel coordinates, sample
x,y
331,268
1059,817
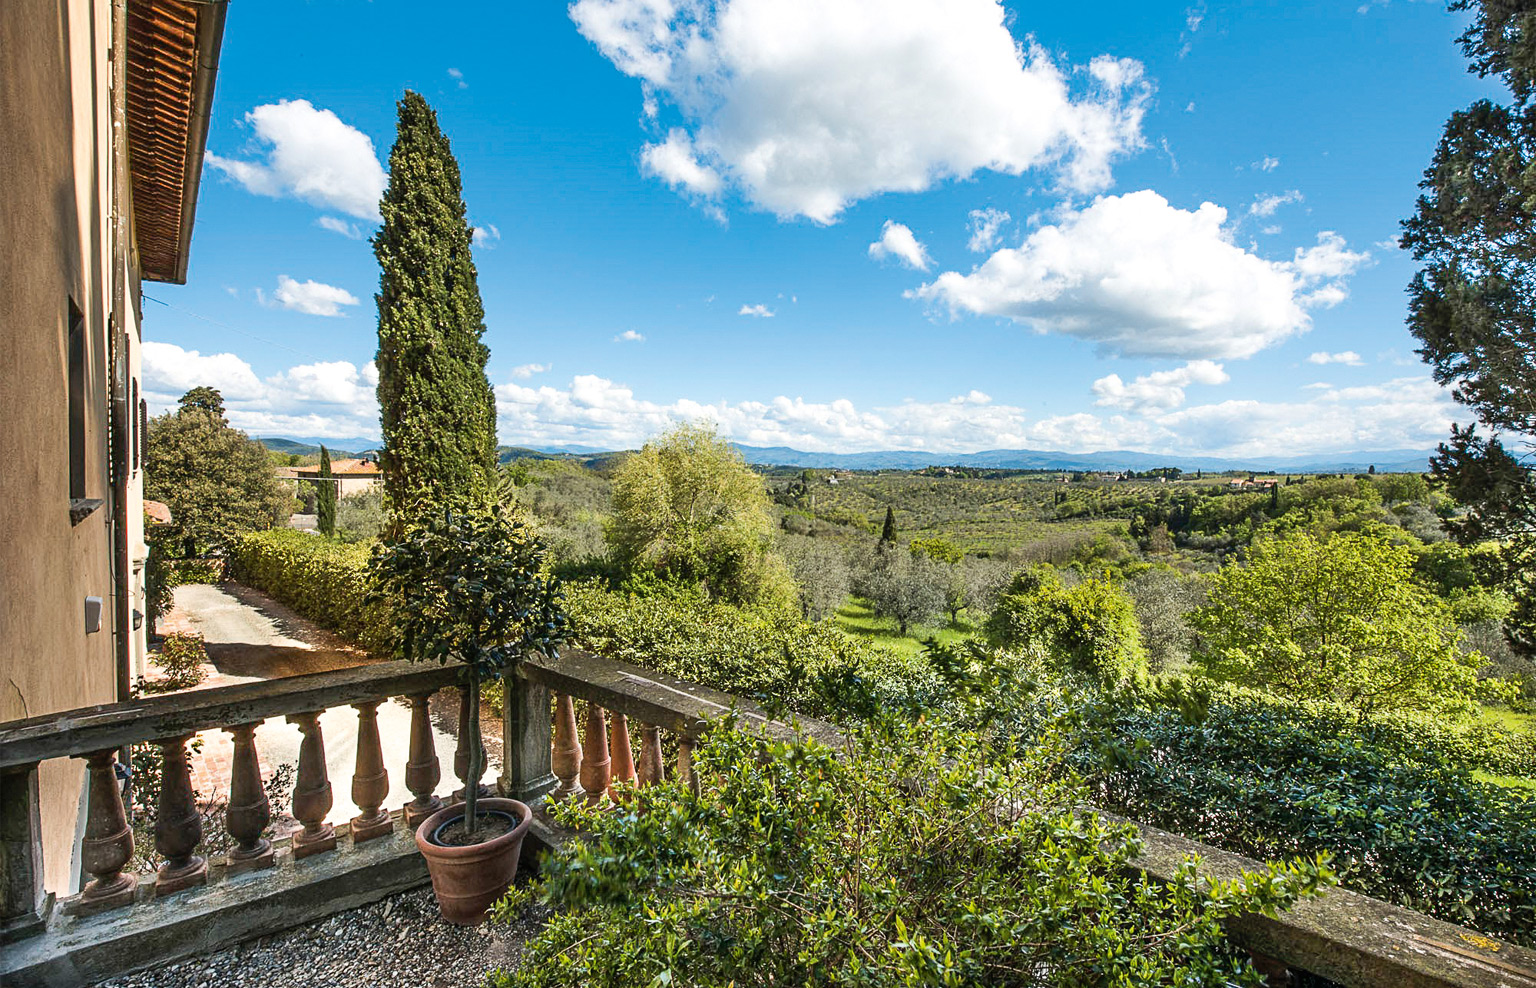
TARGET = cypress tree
x,y
436,407
325,496
888,533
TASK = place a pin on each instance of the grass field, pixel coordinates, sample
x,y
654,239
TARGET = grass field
x,y
857,619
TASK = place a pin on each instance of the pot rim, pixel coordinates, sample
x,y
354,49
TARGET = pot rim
x,y
448,813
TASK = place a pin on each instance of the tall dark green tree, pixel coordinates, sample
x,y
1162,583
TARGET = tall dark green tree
x,y
888,531
325,496
1473,304
436,407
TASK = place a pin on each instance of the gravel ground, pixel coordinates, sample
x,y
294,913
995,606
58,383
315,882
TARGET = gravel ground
x,y
399,942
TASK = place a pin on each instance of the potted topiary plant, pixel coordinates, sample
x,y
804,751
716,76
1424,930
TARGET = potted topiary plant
x,y
469,587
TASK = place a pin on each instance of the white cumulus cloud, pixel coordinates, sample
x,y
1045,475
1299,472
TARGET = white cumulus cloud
x,y
485,236
1158,391
310,155
1348,358
629,336
897,240
328,398
524,371
806,107
312,297
758,311
1140,277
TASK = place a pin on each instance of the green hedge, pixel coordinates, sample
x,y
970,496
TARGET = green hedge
x,y
324,580
678,630
1471,744
1403,824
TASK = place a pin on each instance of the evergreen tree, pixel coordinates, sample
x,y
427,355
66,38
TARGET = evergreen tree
x,y
325,496
888,533
1473,305
216,481
436,407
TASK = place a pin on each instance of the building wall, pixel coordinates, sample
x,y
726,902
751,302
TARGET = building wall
x,y
55,154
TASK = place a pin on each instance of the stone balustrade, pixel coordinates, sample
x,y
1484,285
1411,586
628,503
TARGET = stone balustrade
x,y
569,729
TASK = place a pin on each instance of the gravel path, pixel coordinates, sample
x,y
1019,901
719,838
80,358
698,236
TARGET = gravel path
x,y
399,942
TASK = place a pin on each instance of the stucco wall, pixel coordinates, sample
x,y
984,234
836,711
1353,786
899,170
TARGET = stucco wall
x,y
55,154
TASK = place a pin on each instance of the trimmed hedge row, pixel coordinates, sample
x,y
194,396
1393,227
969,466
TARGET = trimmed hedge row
x,y
678,630
324,580
1472,744
1403,824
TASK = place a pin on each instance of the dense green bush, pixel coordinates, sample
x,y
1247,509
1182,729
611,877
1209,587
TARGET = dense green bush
x,y
1404,822
676,629
327,582
1089,629
927,855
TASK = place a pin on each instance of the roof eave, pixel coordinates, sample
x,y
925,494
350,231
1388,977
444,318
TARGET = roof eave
x,y
210,40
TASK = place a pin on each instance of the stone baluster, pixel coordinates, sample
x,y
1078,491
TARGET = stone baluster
x,y
178,824
422,769
22,900
249,812
595,762
565,757
466,739
685,764
108,844
370,780
312,792
623,753
650,769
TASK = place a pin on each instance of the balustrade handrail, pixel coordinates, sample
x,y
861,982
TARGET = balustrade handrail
x,y
678,706
81,731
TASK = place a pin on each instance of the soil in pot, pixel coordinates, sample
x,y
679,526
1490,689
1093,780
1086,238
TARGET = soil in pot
x,y
489,826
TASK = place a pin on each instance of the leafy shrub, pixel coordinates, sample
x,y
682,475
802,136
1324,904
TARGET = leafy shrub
x,y
181,657
1404,822
1089,629
927,854
1339,617
327,582
676,629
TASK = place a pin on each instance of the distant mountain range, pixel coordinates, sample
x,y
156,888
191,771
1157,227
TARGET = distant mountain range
x,y
1385,461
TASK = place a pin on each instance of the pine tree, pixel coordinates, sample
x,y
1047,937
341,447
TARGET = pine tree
x,y
325,496
1473,304
888,533
436,407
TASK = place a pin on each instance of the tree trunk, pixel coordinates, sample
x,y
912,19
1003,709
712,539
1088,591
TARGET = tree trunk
x,y
476,754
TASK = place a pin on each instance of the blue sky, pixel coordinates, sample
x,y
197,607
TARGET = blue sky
x,y
949,225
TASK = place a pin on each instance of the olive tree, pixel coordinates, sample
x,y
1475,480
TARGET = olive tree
x,y
1337,618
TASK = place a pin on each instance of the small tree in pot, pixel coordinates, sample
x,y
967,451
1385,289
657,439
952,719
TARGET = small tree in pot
x,y
469,587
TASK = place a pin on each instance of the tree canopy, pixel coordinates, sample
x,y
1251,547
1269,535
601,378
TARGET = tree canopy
x,y
688,507
1473,304
1339,618
436,407
216,481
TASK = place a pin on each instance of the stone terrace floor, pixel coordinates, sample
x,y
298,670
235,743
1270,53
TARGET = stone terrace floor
x,y
399,942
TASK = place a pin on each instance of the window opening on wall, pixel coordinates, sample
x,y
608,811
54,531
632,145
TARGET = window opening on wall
x,y
77,402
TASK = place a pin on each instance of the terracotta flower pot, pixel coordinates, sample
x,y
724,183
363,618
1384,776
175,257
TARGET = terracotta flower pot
x,y
469,879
